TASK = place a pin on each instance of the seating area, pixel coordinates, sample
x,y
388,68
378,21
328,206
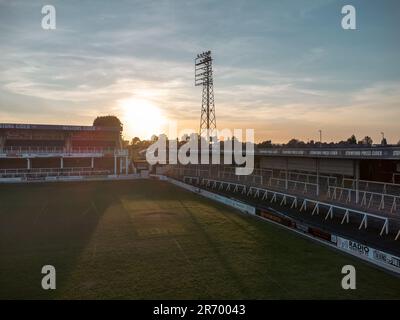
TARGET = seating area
x,y
31,149
55,149
327,211
377,197
34,151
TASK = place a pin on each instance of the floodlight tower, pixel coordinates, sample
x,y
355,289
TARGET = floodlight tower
x,y
203,77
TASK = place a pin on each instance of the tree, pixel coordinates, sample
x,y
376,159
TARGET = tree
x,y
108,121
295,143
135,141
265,144
352,139
384,142
366,141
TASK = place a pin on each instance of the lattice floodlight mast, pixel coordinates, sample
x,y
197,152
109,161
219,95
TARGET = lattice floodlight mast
x,y
204,77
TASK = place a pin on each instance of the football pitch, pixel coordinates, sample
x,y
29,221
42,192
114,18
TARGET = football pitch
x,y
148,239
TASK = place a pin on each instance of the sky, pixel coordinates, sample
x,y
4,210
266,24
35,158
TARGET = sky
x,y
283,68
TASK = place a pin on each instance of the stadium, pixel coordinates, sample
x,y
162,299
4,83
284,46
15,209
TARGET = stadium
x,y
71,197
108,210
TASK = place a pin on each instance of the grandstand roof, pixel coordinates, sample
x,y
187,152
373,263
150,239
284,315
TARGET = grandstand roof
x,y
372,152
55,127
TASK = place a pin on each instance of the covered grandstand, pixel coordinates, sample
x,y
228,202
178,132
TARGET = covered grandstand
x,y
350,192
30,152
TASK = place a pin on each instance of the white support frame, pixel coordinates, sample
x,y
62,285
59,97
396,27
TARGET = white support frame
x,y
257,194
385,228
283,202
346,217
330,213
316,209
265,196
249,193
364,222
365,194
294,203
317,205
303,205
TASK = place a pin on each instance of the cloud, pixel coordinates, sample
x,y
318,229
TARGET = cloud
x,y
270,71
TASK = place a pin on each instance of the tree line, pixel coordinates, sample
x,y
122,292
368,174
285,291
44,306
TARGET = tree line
x,y
137,143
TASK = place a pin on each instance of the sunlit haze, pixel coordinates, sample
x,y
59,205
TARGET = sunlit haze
x,y
142,118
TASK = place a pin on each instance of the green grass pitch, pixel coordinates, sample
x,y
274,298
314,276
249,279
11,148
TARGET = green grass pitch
x,y
150,240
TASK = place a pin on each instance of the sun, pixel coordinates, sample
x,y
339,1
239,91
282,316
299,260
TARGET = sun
x,y
142,118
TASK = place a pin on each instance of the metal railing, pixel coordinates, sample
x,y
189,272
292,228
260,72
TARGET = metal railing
x,y
366,199
58,150
293,201
382,199
372,186
39,170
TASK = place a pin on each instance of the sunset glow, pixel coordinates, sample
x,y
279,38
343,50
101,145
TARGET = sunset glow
x,y
142,118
